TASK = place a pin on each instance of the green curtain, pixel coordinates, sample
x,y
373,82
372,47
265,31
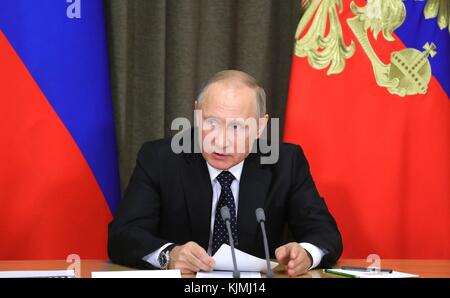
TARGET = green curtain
x,y
163,51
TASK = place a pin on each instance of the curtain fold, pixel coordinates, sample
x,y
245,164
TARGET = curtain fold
x,y
163,51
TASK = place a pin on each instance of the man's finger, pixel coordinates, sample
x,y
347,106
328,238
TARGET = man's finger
x,y
187,262
200,253
295,251
297,270
193,260
281,253
203,257
185,269
206,259
293,263
297,266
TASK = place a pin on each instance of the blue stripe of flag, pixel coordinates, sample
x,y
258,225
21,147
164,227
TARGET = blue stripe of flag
x,y
416,31
68,60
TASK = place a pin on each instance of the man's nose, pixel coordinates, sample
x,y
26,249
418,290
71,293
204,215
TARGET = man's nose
x,y
221,140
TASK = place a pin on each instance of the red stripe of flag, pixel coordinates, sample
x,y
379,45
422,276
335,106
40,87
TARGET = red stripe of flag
x,y
51,205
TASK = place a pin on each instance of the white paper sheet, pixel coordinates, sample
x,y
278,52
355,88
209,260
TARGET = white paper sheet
x,y
227,274
38,273
138,274
245,261
361,274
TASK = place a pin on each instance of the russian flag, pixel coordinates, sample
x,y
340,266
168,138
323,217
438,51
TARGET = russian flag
x,y
59,183
380,160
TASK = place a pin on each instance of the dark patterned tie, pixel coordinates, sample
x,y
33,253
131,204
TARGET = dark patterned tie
x,y
220,234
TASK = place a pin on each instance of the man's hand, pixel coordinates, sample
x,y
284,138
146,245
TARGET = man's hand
x,y
296,259
190,258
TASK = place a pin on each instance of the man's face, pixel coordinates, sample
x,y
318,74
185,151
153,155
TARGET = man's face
x,y
228,124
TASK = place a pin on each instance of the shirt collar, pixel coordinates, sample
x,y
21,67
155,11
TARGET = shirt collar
x,y
236,170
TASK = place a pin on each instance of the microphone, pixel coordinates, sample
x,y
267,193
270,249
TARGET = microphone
x,y
261,219
225,212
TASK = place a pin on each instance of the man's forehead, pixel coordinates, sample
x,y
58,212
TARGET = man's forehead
x,y
230,96
229,84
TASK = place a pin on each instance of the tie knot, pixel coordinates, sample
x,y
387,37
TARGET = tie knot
x,y
225,179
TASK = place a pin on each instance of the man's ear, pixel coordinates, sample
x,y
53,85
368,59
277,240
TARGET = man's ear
x,y
262,123
197,114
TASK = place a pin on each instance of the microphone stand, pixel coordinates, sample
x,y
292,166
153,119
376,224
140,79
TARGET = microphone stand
x,y
225,212
261,218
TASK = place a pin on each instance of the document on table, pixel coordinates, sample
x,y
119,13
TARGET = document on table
x,y
138,274
227,274
38,274
245,261
370,274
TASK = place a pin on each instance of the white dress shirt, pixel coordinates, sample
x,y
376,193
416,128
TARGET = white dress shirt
x,y
315,252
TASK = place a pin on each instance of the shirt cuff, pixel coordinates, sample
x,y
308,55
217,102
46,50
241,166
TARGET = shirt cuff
x,y
315,252
152,258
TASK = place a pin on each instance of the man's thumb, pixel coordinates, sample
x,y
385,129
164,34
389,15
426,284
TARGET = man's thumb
x,y
281,253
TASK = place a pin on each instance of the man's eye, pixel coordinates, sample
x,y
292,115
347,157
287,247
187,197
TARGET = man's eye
x,y
237,127
210,124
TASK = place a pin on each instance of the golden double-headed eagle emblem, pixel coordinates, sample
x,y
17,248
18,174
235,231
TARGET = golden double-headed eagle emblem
x,y
409,70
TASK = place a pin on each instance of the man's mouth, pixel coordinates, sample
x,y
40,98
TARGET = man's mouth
x,y
219,155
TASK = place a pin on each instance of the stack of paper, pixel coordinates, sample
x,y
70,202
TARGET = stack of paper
x,y
227,274
138,274
246,263
369,274
38,274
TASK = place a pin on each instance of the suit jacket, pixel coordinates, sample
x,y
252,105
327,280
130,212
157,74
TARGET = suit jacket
x,y
169,199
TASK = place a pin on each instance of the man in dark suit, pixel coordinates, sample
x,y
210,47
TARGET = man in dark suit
x,y
170,214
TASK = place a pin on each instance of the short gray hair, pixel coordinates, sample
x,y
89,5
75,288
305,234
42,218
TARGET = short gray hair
x,y
240,77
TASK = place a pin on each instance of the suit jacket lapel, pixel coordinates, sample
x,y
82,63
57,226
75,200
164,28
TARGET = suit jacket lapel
x,y
198,194
253,189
